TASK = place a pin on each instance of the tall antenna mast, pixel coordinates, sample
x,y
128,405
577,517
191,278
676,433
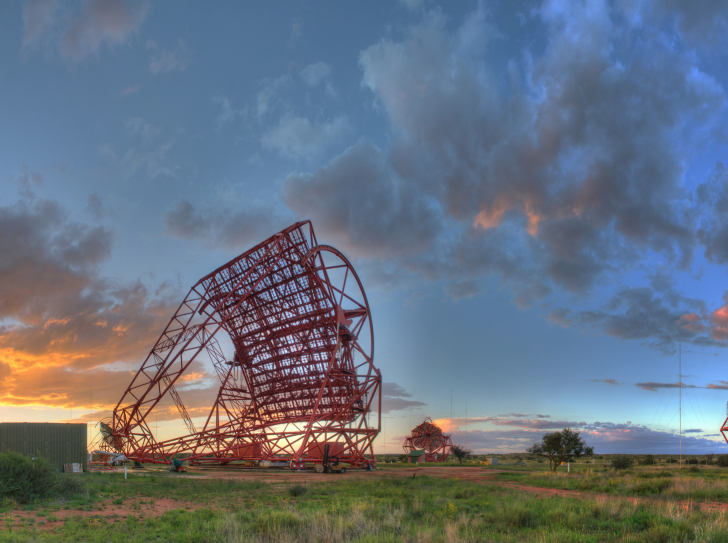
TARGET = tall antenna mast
x,y
680,383
466,423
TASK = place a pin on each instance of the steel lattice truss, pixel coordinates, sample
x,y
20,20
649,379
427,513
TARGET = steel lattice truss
x,y
430,437
300,372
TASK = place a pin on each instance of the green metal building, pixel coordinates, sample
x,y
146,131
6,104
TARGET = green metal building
x,y
416,456
59,443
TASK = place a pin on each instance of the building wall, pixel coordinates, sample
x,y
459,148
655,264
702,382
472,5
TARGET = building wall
x,y
59,443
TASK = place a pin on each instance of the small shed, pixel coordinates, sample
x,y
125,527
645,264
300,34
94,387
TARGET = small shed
x,y
59,443
491,461
416,456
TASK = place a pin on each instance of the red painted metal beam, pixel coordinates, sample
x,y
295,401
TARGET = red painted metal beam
x,y
301,372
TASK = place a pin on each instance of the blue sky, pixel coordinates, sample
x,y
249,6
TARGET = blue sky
x,y
533,194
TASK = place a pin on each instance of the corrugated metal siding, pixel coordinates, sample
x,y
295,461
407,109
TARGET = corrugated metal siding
x,y
57,442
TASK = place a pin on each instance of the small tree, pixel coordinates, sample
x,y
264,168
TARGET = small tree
x,y
461,453
559,447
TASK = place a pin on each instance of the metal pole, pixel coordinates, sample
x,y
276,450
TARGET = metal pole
x,y
680,383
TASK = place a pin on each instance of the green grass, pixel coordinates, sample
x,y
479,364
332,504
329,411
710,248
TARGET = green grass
x,y
387,509
681,483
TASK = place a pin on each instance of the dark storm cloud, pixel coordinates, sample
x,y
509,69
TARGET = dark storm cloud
x,y
396,398
223,228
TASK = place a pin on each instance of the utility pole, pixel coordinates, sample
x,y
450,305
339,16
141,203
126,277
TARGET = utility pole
x,y
680,383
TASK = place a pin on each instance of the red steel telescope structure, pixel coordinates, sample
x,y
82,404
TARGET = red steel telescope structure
x,y
430,437
288,330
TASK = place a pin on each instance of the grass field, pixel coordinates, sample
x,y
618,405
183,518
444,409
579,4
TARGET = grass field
x,y
645,503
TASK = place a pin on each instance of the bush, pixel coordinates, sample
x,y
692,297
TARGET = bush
x,y
694,469
692,461
24,479
672,461
621,461
27,480
297,490
722,460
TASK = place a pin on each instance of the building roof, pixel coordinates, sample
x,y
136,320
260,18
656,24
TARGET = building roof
x,y
416,453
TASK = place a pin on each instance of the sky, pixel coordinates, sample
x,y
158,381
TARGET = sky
x,y
533,194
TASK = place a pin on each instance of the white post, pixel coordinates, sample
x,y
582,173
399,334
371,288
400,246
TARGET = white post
x,y
125,464
568,463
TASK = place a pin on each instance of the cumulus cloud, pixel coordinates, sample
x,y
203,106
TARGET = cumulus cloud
x,y
60,317
712,197
396,398
559,170
568,176
313,74
658,314
224,228
298,137
77,34
359,201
